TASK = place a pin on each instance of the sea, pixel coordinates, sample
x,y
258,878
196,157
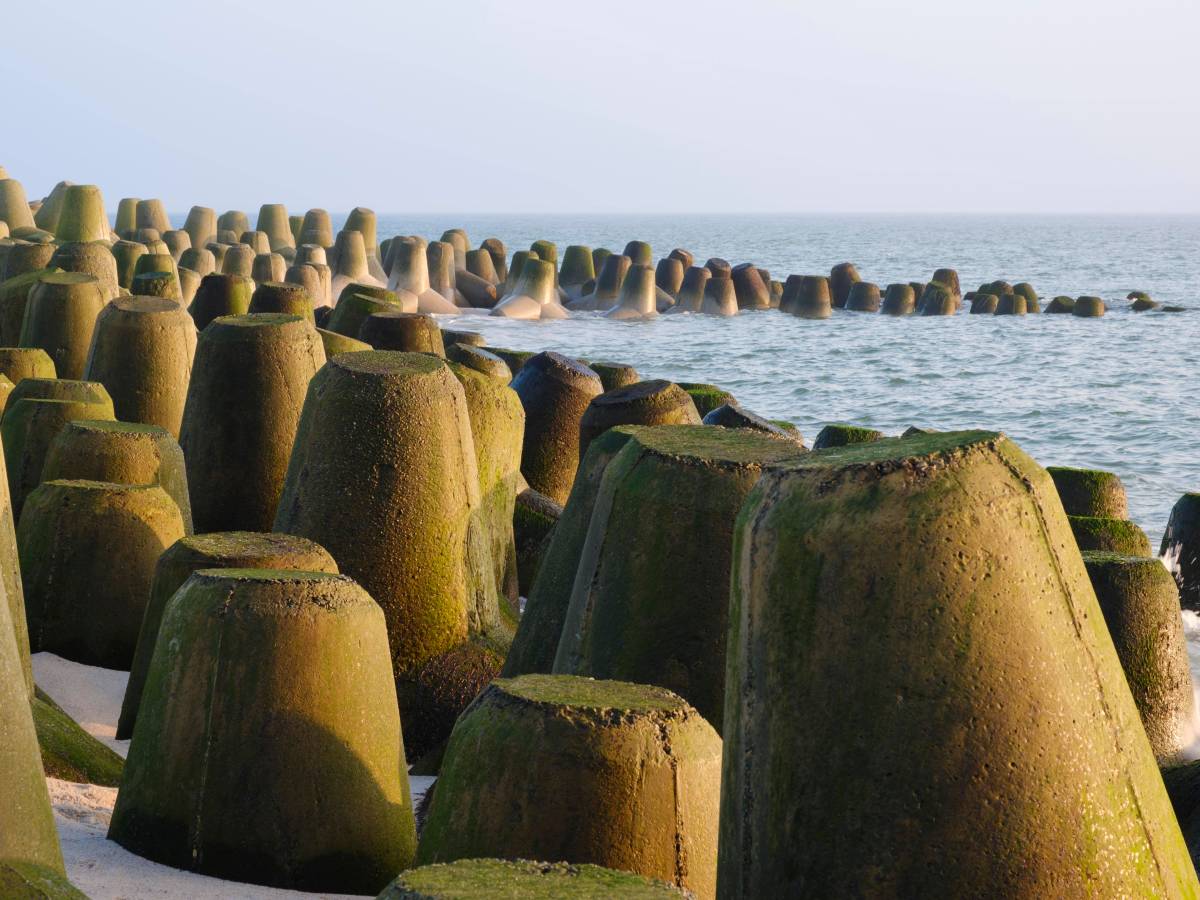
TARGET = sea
x,y
1109,393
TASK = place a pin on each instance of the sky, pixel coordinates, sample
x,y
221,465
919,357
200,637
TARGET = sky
x,y
657,106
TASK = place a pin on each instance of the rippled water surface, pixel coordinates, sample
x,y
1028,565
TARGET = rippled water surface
x,y
1110,393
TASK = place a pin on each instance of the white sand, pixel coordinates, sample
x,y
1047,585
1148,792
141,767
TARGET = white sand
x,y
98,867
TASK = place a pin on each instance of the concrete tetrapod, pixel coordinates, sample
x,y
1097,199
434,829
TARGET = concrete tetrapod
x,y
27,832
281,297
335,343
442,274
383,475
656,402
93,258
317,228
269,697
983,304
842,435
603,772
410,272
613,375
142,351
578,271
608,284
126,254
395,330
32,422
1089,492
479,879
356,306
152,214
555,391
14,207
219,550
937,300
201,225
720,298
648,605
690,296
1089,308
899,300
221,295
1180,549
88,550
807,297
60,317
14,595
1109,535
480,360
668,274
243,408
707,397
540,629
121,453
348,263
842,277
730,415
497,427
268,267
1141,608
637,300
751,290
533,296
81,217
863,297
24,257
46,216
202,261
273,221
19,363
365,222
995,677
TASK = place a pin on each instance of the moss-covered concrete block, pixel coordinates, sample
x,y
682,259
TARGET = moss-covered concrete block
x,y
478,879
1141,607
623,776
650,596
1109,535
1090,492
268,743
988,700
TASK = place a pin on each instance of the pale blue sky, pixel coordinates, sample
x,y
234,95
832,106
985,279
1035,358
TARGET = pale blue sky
x,y
650,106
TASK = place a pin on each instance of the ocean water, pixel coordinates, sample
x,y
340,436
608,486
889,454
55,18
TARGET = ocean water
x,y
1110,393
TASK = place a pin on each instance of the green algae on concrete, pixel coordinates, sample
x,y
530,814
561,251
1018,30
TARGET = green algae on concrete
x,y
219,295
82,217
807,296
70,753
731,416
1109,535
353,309
838,435
281,297
30,425
990,701
335,343
383,475
121,453
555,391
92,258
218,550
268,744
626,777
30,881
651,592
1090,492
88,551
10,580
243,408
142,351
656,402
480,360
534,519
14,298
1089,308
540,629
841,278
899,300
484,879
937,300
613,375
1141,607
515,359
442,688
408,332
60,317
21,363
1061,305
497,426
27,831
707,397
